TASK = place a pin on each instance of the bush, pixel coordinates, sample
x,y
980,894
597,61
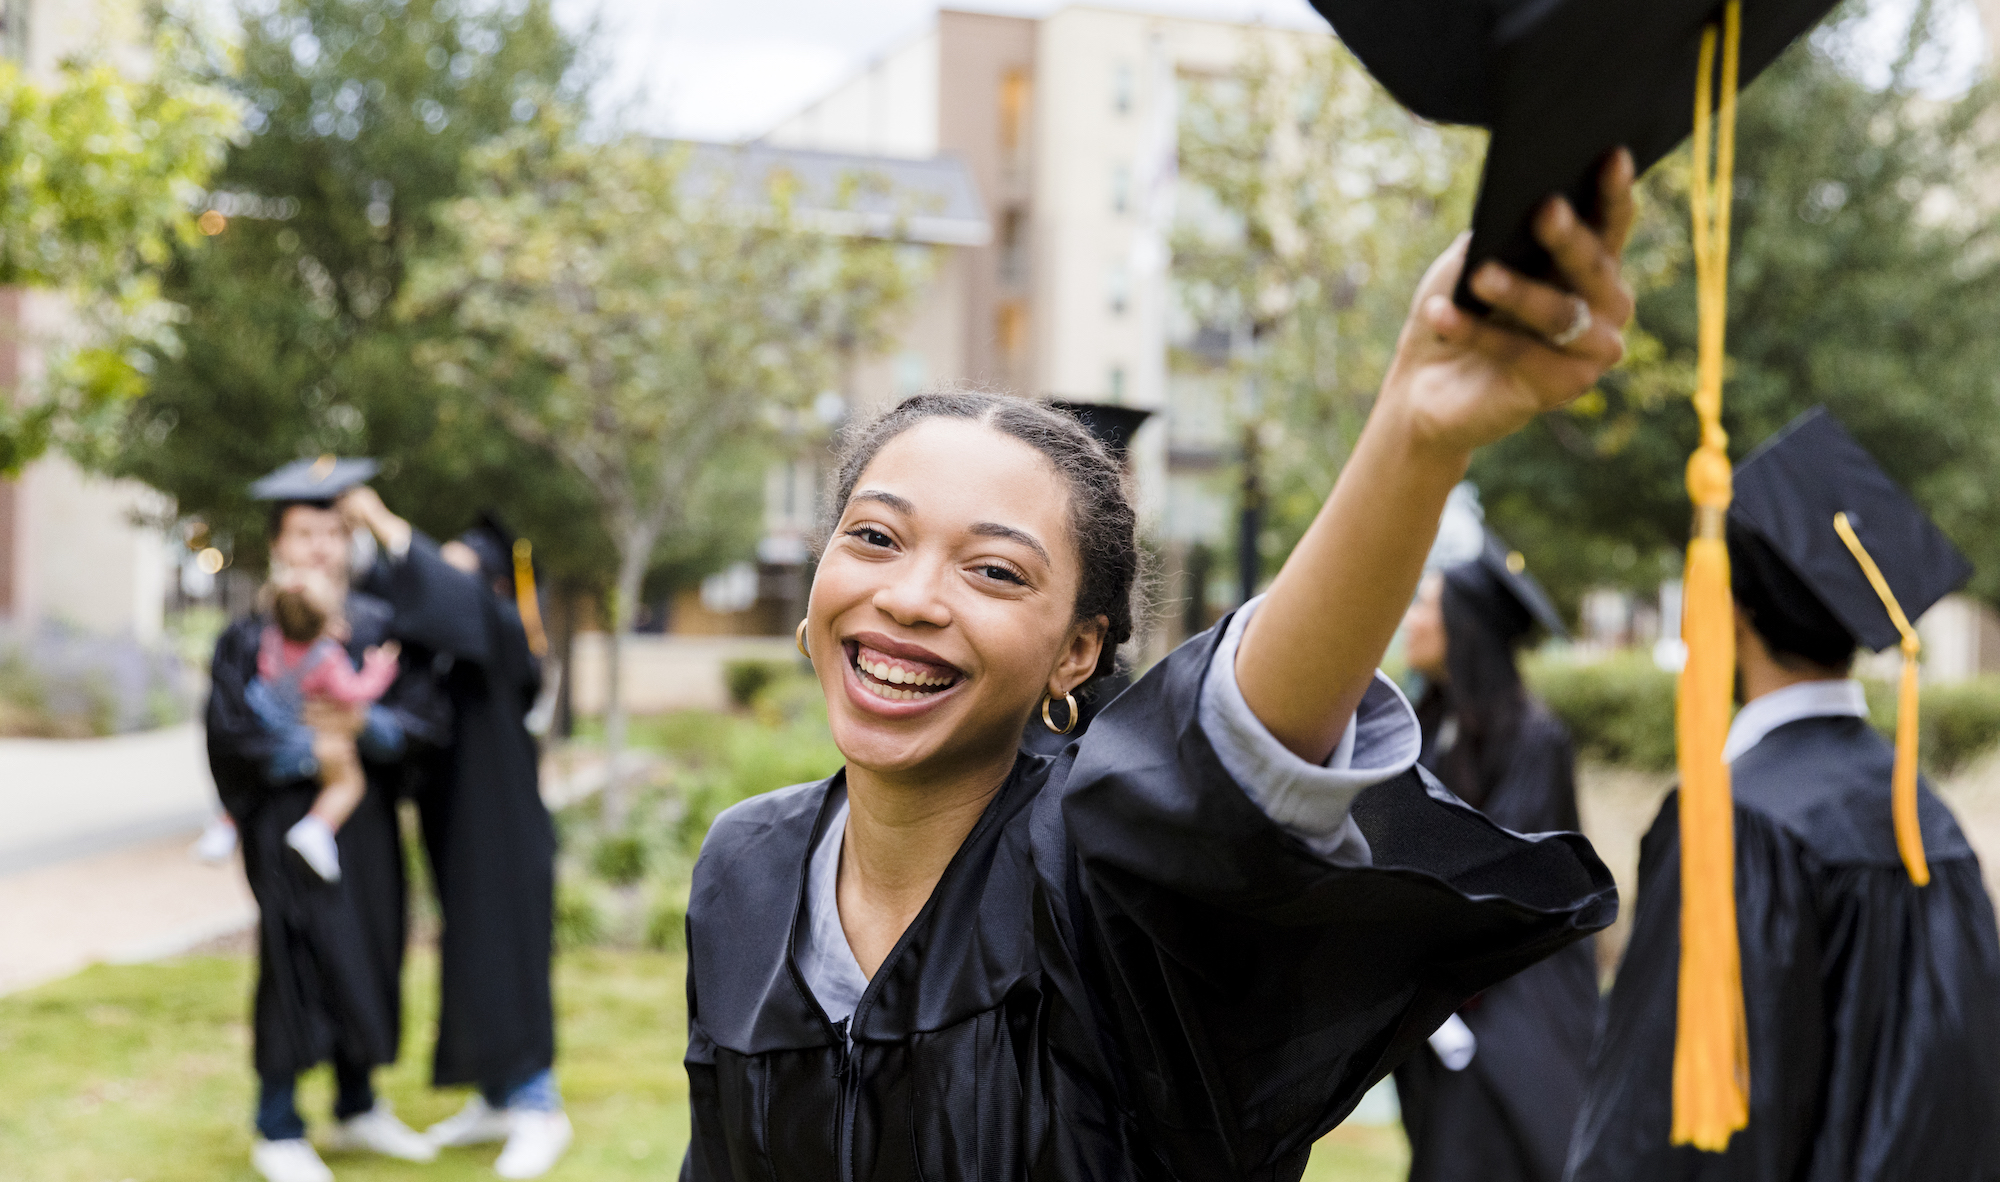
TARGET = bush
x,y
666,923
747,679
1956,723
579,917
1619,710
620,859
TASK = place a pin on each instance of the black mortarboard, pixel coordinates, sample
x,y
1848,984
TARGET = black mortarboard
x,y
1112,425
1559,83
493,542
1787,494
321,479
1499,585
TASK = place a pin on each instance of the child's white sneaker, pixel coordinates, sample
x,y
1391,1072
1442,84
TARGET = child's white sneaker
x,y
313,839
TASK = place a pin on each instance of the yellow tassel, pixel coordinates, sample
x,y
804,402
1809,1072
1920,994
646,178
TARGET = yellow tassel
x,y
1711,1043
1903,784
524,597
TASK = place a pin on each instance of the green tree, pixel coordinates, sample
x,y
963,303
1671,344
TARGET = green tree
x,y
1865,276
361,115
644,326
100,170
1314,203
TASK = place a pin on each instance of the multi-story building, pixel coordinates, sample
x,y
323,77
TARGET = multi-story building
x,y
71,546
1068,125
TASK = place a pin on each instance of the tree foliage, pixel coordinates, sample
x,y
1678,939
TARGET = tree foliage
x,y
1314,203
642,324
98,171
1865,276
362,115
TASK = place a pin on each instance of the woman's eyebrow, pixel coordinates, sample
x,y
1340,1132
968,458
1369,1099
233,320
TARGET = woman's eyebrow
x,y
887,498
993,529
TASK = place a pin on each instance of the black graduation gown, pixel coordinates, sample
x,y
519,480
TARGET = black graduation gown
x,y
1873,1004
1127,971
330,955
1509,1114
491,843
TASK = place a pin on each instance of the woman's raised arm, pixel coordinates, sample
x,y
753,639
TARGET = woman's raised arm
x,y
1457,382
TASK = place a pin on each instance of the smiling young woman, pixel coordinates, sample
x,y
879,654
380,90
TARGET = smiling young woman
x,y
1185,947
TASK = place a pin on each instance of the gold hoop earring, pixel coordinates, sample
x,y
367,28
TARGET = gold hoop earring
x,y
799,635
1068,700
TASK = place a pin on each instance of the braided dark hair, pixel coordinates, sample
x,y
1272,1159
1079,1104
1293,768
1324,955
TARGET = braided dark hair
x,y
1101,519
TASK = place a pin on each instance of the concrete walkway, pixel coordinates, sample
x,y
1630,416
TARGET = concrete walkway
x,y
62,799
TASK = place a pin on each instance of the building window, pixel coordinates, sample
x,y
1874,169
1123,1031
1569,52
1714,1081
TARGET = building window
x,y
911,374
1121,188
1118,288
1121,88
1010,329
1013,111
1116,381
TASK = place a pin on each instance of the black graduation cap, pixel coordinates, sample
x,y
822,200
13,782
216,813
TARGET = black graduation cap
x,y
1788,492
1499,581
1560,84
1112,425
321,479
493,542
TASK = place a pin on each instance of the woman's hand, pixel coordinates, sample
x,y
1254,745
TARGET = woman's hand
x,y
1457,382
1461,381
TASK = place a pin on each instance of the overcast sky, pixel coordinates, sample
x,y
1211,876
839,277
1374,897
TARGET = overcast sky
x,y
727,69
724,69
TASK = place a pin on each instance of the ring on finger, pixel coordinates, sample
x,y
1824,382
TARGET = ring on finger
x,y
1579,324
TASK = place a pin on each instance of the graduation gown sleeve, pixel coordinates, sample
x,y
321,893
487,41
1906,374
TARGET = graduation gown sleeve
x,y
1247,991
1874,1042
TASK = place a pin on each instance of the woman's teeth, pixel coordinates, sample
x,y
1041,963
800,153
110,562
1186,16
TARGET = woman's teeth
x,y
896,675
884,679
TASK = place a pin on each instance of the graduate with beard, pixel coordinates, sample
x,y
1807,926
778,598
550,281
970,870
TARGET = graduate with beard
x,y
490,839
329,954
1495,1094
1870,962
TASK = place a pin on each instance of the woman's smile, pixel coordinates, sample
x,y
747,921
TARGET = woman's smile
x,y
896,678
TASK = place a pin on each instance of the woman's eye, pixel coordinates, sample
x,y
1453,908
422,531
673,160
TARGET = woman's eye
x,y
869,536
1004,574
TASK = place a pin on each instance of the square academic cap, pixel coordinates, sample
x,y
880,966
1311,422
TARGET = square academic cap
x,y
1112,425
1560,84
1788,492
320,479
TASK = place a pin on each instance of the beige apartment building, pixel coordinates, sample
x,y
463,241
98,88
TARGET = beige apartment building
x,y
1068,125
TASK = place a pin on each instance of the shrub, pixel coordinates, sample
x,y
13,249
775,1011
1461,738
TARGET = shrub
x,y
666,923
579,917
1956,723
619,859
1619,710
747,679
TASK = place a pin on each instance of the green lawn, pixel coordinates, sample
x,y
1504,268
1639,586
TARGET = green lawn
x,y
140,1073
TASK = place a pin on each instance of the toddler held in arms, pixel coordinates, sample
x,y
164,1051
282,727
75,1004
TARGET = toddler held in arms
x,y
301,659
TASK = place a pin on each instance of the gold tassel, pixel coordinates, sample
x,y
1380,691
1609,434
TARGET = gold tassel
x,y
1903,785
1711,1044
524,597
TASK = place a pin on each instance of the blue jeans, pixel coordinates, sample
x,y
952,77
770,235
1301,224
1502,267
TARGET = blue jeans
x,y
278,1116
538,1094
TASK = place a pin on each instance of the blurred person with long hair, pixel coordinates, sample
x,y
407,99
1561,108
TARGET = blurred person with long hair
x,y
1496,1093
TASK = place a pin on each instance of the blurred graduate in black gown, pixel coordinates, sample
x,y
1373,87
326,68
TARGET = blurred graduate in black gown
x,y
1495,1094
1870,962
329,954
490,839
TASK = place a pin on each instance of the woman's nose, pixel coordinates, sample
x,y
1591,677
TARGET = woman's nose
x,y
913,594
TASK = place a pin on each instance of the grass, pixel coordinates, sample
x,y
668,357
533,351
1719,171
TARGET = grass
x,y
140,1073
